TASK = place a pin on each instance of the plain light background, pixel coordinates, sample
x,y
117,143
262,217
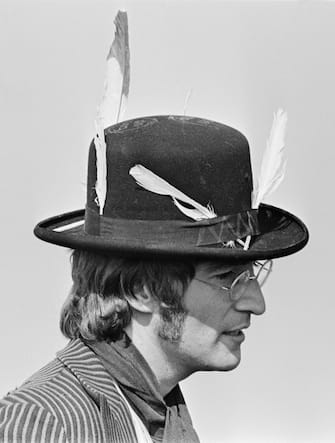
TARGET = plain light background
x,y
242,61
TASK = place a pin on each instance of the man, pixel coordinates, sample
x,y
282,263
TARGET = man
x,y
167,270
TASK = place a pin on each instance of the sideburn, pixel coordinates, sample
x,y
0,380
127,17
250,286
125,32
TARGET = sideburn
x,y
171,324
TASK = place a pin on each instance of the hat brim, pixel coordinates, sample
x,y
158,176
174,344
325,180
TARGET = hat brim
x,y
68,230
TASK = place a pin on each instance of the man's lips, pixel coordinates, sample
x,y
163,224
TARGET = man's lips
x,y
236,332
234,336
237,328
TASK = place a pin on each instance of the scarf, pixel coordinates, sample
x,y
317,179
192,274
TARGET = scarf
x,y
166,419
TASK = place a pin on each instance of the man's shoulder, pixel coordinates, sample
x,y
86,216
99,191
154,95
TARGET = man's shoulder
x,y
27,413
44,375
67,397
41,381
58,385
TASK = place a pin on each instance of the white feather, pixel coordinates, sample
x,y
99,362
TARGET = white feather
x,y
153,183
116,91
100,148
273,164
113,103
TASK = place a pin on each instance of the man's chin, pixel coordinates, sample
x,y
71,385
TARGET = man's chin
x,y
232,366
229,363
231,357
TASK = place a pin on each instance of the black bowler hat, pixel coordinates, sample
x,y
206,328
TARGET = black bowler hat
x,y
207,161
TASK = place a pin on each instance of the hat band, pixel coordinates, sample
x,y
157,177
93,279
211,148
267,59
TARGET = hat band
x,y
214,231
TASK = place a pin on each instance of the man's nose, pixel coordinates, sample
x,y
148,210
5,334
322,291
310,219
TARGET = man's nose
x,y
252,300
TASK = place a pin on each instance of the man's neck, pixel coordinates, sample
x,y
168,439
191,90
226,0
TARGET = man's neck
x,y
156,353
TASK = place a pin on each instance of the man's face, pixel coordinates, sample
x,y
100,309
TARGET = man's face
x,y
211,336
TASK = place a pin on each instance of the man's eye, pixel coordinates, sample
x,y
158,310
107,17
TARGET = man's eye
x,y
225,276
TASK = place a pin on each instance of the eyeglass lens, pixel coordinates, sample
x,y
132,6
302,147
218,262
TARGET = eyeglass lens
x,y
239,285
261,271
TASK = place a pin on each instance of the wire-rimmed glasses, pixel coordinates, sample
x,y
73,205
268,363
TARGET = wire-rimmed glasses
x,y
261,272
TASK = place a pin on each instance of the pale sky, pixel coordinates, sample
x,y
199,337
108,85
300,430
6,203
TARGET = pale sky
x,y
242,61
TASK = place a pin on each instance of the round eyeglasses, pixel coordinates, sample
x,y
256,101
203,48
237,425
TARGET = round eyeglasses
x,y
261,272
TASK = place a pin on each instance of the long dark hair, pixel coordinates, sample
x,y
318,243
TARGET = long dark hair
x,y
97,306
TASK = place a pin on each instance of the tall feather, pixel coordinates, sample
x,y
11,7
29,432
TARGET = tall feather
x,y
117,80
273,164
112,107
100,148
153,183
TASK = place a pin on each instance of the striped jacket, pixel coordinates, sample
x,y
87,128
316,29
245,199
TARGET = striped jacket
x,y
72,399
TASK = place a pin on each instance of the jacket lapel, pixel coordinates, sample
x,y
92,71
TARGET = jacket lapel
x,y
101,387
86,366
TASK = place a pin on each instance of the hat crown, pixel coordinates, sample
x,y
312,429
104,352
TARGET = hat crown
x,y
209,163
206,160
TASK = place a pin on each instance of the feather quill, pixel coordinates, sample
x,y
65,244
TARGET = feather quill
x,y
112,107
273,164
153,183
187,99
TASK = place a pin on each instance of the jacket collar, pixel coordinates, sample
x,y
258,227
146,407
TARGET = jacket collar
x,y
87,368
